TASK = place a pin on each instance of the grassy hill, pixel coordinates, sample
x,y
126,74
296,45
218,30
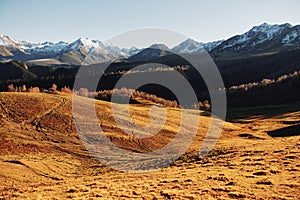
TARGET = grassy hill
x,y
41,155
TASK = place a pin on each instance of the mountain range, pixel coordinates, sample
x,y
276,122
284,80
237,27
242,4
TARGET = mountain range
x,y
262,39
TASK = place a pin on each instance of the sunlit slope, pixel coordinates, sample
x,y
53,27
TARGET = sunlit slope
x,y
46,121
42,155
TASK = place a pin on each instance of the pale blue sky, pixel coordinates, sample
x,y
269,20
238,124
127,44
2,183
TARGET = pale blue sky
x,y
55,20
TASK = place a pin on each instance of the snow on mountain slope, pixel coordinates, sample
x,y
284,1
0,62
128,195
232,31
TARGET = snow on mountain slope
x,y
187,46
115,51
261,38
29,47
7,41
267,32
93,51
192,46
47,47
132,51
264,38
81,43
98,50
211,45
257,35
293,37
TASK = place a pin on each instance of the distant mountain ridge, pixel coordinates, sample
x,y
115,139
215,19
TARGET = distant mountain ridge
x,y
152,52
192,46
264,38
79,52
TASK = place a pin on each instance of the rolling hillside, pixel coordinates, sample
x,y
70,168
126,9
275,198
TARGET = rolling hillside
x,y
43,156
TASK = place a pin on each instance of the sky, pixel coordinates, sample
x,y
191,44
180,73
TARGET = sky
x,y
204,21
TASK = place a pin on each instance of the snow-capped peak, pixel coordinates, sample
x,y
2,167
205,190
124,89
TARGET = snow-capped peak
x,y
187,46
82,43
3,40
132,51
257,35
265,27
7,41
32,47
264,37
47,47
95,48
269,30
191,46
209,46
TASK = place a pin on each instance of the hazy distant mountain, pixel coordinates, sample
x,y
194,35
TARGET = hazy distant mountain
x,y
152,52
192,46
132,51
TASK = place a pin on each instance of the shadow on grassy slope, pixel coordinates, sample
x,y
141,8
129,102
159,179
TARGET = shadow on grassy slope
x,y
262,112
285,132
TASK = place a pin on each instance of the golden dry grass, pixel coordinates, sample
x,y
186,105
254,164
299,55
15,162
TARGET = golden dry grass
x,y
42,157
